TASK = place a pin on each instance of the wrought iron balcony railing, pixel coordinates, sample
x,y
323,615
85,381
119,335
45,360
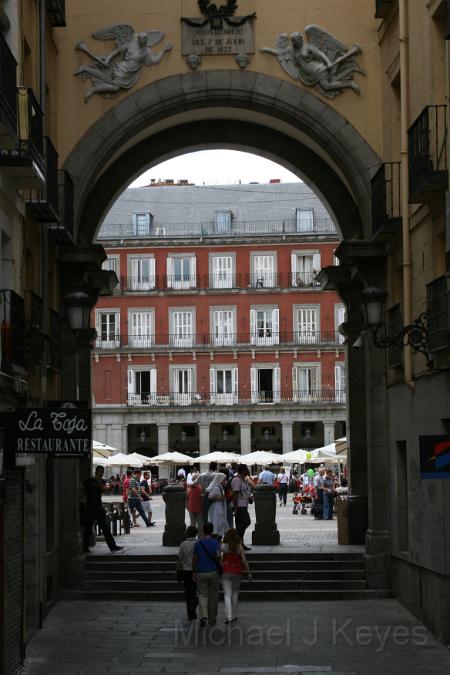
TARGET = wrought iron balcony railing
x,y
63,229
44,203
386,200
8,96
226,280
141,283
438,314
34,309
427,140
262,228
261,338
327,397
12,332
264,280
25,163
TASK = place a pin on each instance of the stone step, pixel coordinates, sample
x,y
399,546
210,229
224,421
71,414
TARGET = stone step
x,y
254,554
245,595
258,585
111,563
151,575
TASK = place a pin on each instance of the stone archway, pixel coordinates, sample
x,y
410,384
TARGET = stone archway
x,y
259,113
227,109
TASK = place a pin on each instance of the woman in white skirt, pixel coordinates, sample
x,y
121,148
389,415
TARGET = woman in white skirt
x,y
217,513
234,565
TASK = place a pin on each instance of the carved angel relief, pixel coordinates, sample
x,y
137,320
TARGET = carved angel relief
x,y
121,68
323,62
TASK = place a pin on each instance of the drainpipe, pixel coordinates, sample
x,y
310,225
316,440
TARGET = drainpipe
x,y
404,118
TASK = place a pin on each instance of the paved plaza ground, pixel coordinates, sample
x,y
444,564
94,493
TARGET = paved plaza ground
x,y
297,532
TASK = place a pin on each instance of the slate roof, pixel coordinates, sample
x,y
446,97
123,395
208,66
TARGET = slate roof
x,y
195,204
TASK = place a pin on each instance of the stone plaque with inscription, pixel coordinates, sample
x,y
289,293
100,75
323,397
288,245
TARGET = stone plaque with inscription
x,y
205,40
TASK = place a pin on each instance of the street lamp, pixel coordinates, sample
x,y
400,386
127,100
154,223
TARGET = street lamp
x,y
183,435
225,435
142,436
78,309
415,335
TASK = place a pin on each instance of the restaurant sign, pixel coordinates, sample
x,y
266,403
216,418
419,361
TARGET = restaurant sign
x,y
51,431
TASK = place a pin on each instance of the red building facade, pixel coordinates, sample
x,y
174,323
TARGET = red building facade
x,y
218,336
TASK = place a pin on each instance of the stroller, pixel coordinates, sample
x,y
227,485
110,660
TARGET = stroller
x,y
307,499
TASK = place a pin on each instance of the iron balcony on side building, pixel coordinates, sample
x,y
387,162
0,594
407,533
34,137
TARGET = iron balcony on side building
x,y
427,141
62,229
386,202
12,333
25,163
8,97
43,203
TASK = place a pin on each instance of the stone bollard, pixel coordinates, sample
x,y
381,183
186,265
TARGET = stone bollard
x,y
265,532
174,497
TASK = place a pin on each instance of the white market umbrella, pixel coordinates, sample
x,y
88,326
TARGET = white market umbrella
x,y
172,458
220,457
123,460
100,461
136,457
261,457
295,457
102,449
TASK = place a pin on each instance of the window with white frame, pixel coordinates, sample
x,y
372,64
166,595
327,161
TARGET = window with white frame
x,y
305,266
263,270
140,328
307,324
306,382
304,220
264,325
181,271
183,385
265,384
223,385
141,386
111,264
182,329
339,317
340,382
107,324
223,222
221,271
336,261
142,273
223,326
141,224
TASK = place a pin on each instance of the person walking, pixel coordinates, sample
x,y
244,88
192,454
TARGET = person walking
x,y
184,568
194,505
266,477
96,512
135,497
242,497
283,481
205,479
206,566
217,512
125,490
235,565
328,495
318,486
146,492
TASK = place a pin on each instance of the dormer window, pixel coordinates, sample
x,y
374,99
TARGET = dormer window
x,y
142,223
304,220
223,222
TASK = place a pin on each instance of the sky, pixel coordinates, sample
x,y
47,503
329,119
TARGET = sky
x,y
217,167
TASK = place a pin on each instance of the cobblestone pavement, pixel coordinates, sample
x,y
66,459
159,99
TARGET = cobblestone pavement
x,y
297,532
341,638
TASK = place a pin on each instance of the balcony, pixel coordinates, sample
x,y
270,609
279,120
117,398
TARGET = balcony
x,y
382,8
43,204
386,201
305,280
12,333
141,284
224,281
56,12
178,283
205,341
427,142
25,163
438,314
62,230
316,397
8,97
239,229
264,280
